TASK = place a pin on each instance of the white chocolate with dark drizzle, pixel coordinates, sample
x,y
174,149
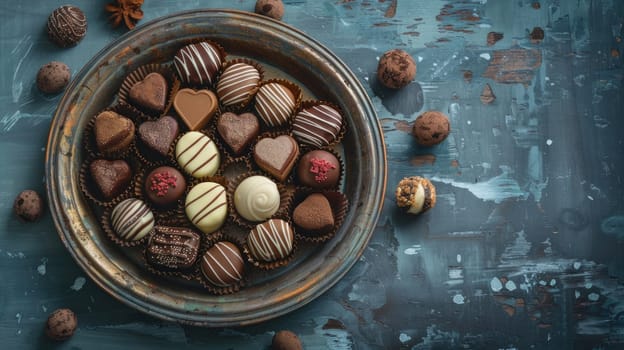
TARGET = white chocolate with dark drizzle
x,y
206,206
197,154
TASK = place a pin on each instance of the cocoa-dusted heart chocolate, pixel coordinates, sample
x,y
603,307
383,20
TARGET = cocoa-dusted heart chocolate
x,y
238,131
151,92
195,108
314,214
158,135
110,176
113,132
276,156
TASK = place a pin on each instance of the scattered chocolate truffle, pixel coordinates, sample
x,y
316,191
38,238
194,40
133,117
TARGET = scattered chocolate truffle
x,y
536,5
53,77
493,37
396,69
431,128
415,194
67,25
172,248
286,340
487,95
28,206
61,324
314,214
537,34
110,176
270,8
318,169
164,185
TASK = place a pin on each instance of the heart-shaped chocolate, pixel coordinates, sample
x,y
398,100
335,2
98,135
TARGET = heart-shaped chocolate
x,y
151,92
277,156
314,214
113,132
195,107
158,135
238,131
110,176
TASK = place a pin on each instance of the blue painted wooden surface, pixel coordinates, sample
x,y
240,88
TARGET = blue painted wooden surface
x,y
523,250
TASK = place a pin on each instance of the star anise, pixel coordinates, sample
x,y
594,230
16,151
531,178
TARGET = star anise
x,y
127,10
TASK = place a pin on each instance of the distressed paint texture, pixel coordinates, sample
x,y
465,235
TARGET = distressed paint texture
x,y
523,249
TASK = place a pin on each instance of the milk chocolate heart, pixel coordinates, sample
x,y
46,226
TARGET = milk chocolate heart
x,y
151,92
238,131
113,132
276,156
110,177
195,107
158,135
314,214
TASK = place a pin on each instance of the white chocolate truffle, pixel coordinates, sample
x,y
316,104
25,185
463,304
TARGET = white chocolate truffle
x,y
197,154
257,198
206,206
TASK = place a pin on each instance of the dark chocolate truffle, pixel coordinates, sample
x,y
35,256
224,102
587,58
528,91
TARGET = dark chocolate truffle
x,y
270,8
415,194
67,25
113,132
286,340
28,206
110,177
317,125
53,77
238,131
172,248
164,185
223,264
318,169
396,69
431,128
237,84
314,214
159,135
61,324
198,64
271,240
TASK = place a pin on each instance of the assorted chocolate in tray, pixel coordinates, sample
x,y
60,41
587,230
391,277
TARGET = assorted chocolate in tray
x,y
213,170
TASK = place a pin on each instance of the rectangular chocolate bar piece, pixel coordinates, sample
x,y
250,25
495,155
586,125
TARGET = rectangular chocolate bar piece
x,y
173,248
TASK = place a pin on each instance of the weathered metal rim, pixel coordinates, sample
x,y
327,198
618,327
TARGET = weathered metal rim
x,y
64,196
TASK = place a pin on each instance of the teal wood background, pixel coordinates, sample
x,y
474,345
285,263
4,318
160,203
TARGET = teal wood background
x,y
523,250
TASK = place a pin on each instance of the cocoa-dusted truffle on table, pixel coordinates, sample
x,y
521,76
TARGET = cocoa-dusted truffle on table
x,y
164,186
396,69
318,169
61,324
286,340
270,8
431,128
28,206
415,194
67,25
53,77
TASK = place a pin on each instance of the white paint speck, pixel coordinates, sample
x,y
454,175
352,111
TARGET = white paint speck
x,y
496,284
18,317
44,308
588,285
576,265
553,282
542,283
41,269
485,56
435,64
404,338
485,25
593,297
459,258
366,78
590,197
510,285
468,122
549,142
458,299
420,59
547,78
577,294
79,282
413,250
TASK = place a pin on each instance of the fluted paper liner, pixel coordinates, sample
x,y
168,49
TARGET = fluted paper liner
x,y
286,194
339,204
137,75
216,289
298,95
113,236
92,192
236,108
311,103
271,265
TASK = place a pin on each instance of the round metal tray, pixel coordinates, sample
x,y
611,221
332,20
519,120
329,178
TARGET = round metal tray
x,y
284,52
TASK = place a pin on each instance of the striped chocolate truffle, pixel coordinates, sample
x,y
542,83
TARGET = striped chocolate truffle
x,y
271,240
237,84
318,125
206,206
131,219
222,265
67,25
197,154
198,64
275,103
172,247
